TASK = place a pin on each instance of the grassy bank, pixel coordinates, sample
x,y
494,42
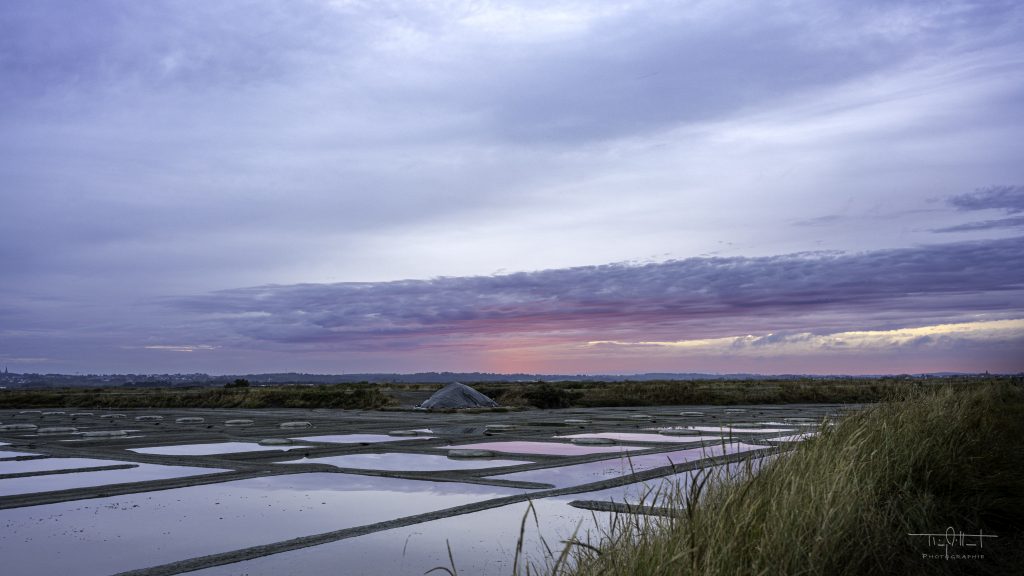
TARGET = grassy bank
x,y
845,502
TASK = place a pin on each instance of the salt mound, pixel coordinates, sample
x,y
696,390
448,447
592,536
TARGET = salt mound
x,y
457,395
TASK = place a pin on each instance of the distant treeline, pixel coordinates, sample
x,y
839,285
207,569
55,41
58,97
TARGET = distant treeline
x,y
200,380
348,396
718,392
544,395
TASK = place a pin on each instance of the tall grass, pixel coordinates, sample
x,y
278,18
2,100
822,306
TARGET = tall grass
x,y
846,501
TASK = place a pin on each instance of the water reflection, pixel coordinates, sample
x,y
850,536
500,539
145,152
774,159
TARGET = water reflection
x,y
360,438
47,464
141,473
643,437
739,429
483,543
208,449
405,462
575,474
109,535
547,448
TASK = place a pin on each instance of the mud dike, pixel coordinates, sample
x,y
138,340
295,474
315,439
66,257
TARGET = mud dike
x,y
219,492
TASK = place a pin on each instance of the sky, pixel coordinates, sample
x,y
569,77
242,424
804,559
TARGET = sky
x,y
573,187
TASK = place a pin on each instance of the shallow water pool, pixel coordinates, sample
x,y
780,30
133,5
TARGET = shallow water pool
x,y
109,535
586,473
395,462
209,449
483,543
47,464
13,454
739,430
643,437
141,473
360,438
546,448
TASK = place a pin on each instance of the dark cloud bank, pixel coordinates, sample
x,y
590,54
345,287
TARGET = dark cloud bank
x,y
691,298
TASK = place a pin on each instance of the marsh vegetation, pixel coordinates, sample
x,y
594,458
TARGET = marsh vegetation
x,y
847,501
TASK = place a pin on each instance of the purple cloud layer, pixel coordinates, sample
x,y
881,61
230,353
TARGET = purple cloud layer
x,y
684,299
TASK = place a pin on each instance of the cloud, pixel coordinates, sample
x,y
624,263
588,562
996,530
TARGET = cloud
x,y
27,360
180,348
948,336
699,297
1009,199
1014,222
166,147
112,46
178,147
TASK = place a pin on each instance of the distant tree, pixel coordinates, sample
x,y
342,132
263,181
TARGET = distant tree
x,y
238,383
